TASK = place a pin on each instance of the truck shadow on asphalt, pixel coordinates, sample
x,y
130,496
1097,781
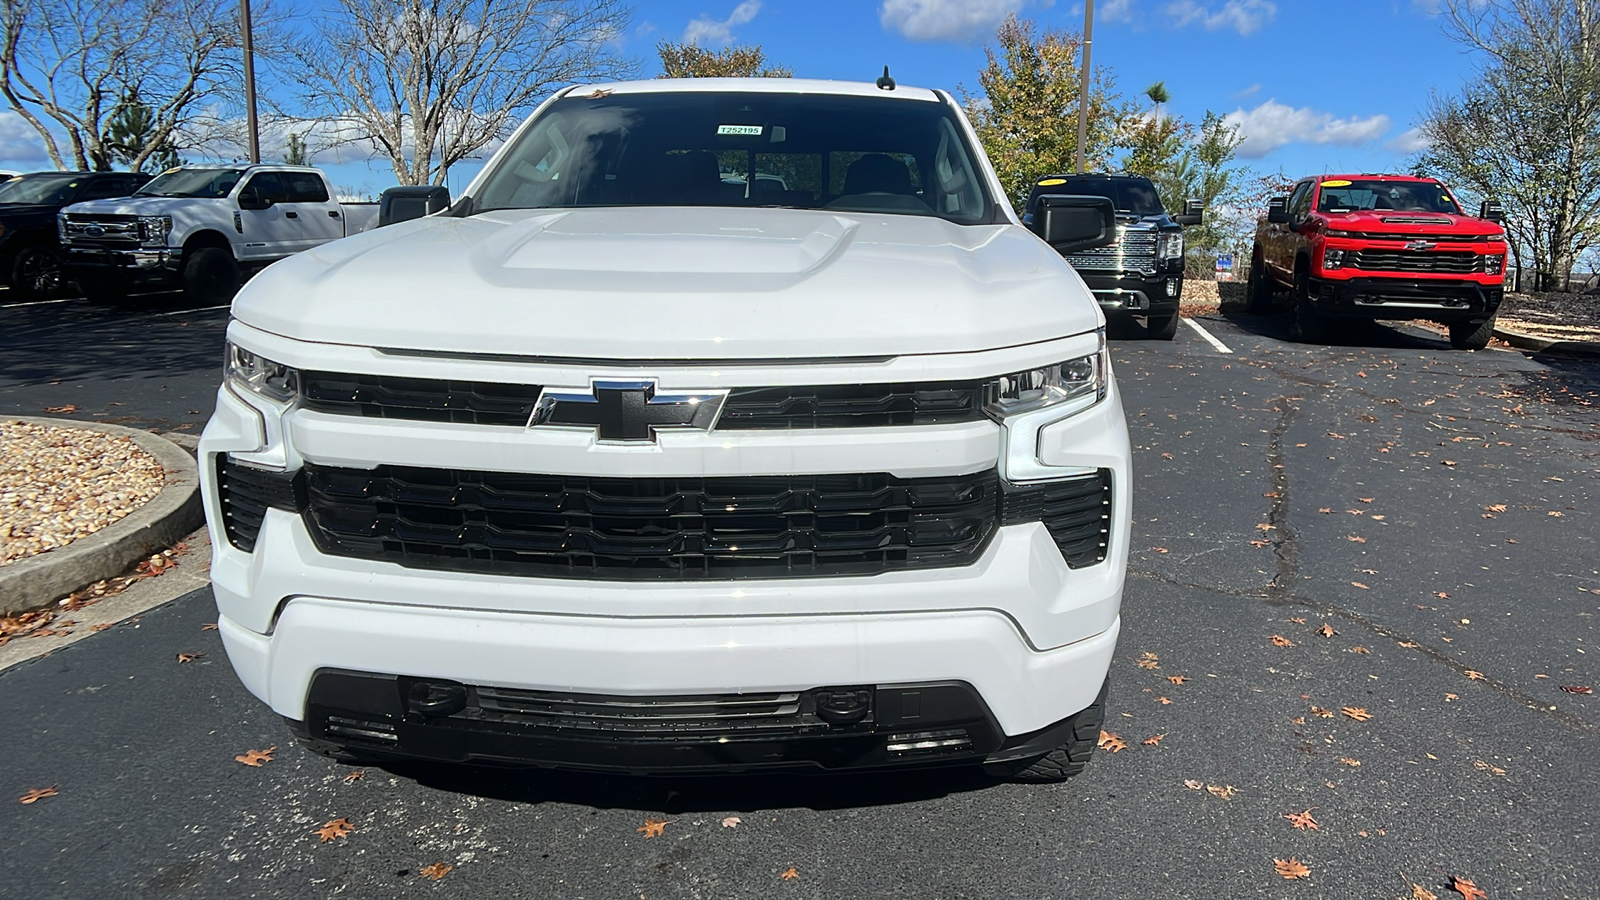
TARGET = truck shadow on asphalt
x,y
683,794
136,338
1378,335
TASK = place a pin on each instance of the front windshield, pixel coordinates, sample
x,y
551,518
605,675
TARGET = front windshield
x,y
44,189
806,151
1131,195
200,183
1340,196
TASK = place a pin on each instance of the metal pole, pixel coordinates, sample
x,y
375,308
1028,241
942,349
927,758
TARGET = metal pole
x,y
1083,86
250,84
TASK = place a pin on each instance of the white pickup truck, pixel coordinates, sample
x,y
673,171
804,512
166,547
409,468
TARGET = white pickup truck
x,y
722,424
202,229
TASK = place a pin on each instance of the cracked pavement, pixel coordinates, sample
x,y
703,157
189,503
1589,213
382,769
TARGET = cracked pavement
x,y
1279,489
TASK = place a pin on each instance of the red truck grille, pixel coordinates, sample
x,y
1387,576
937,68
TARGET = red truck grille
x,y
1438,262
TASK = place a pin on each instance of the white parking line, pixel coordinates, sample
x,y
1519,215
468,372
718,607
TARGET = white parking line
x,y
179,312
1221,347
38,302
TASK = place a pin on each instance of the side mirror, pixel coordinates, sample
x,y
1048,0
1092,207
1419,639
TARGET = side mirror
x,y
1193,214
1493,211
250,198
1278,210
1070,223
400,204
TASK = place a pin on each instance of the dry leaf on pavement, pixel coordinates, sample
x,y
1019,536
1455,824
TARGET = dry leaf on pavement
x,y
1112,742
1163,701
1577,689
255,758
1352,762
1225,791
1281,641
654,827
1476,676
189,657
434,871
1302,820
355,776
1467,889
337,828
36,794
1153,740
1194,785
1418,892
1178,679
1323,713
1360,585
731,822
1291,868
69,408
789,874
1326,630
1356,712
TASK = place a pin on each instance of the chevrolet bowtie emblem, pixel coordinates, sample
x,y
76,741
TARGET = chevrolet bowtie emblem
x,y
627,411
1421,245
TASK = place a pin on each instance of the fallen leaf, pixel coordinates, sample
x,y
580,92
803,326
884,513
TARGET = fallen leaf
x,y
1326,630
354,777
1112,742
1325,510
789,874
1355,539
1225,791
102,626
435,871
1194,785
1178,679
255,758
1467,889
1350,761
1298,720
731,822
1577,689
1302,821
1482,766
1291,868
1418,892
1149,664
1365,499
1447,462
654,827
1360,649
1379,518
1281,641
1264,526
1356,712
1297,621
189,657
1160,549
1452,696
1476,676
1441,595
1259,543
1559,515
36,794
1153,740
1322,713
69,408
1336,436
209,626
598,93
1498,507
337,828
1360,585
1163,701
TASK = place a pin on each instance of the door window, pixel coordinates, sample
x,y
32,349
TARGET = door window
x,y
306,187
104,188
1300,202
269,186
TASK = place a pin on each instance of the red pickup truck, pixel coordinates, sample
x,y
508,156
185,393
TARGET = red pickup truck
x,y
1380,247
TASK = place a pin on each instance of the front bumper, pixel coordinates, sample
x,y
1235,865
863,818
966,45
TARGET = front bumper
x,y
1443,299
144,267
1124,294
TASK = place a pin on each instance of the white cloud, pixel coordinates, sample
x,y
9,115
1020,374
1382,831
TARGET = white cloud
x,y
705,31
1272,125
20,147
1115,11
1243,16
1411,141
947,20
1250,91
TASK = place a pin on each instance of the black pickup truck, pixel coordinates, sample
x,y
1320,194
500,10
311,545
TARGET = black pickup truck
x,y
1141,275
30,249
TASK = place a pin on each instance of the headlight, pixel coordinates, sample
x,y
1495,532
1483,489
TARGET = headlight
x,y
61,227
1170,246
153,230
1494,264
1332,233
260,375
1081,382
1333,259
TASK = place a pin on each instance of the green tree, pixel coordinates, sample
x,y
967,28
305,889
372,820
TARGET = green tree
x,y
132,136
691,61
1213,177
1158,95
1026,116
295,154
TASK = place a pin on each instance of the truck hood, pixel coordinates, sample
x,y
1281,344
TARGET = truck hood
x,y
127,206
676,283
1400,222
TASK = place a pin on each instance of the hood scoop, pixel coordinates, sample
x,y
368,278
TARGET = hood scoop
x,y
1415,220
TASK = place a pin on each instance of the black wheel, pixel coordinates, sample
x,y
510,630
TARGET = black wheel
x,y
1258,296
210,276
1471,335
1308,327
36,273
103,291
1162,328
1068,759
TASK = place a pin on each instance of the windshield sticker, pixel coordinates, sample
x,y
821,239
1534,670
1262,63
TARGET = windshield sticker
x,y
1052,182
750,130
1336,183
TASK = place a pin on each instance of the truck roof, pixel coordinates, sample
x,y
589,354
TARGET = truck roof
x,y
754,85
1371,176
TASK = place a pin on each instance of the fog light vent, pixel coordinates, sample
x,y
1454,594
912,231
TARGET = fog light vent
x,y
369,730
929,741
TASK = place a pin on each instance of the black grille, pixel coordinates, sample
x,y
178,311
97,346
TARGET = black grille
x,y
641,528
650,715
1444,262
486,403
245,492
1076,512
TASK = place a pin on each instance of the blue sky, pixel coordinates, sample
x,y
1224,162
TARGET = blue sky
x,y
1314,87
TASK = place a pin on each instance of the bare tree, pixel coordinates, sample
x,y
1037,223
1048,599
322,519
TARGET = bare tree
x,y
65,65
1526,130
429,83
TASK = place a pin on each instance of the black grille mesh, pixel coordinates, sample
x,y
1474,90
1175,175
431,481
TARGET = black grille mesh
x,y
245,492
1077,513
1448,262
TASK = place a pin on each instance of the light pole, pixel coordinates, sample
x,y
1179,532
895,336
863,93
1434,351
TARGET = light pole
x,y
1083,85
254,137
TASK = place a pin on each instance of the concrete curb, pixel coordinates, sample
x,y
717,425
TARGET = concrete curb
x,y
176,511
1545,345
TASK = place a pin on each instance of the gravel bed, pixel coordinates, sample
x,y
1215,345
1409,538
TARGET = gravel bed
x,y
61,484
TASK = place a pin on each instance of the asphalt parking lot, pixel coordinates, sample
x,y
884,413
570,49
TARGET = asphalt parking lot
x,y
1364,578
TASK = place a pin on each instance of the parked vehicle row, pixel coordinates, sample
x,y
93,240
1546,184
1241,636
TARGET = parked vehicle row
x,y
30,254
1380,247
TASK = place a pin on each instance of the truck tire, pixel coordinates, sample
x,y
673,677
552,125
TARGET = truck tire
x,y
210,276
1471,335
1162,328
1258,296
1308,326
1068,759
36,273
103,291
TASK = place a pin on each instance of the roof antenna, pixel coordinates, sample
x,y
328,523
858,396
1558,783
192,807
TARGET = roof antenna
x,y
885,83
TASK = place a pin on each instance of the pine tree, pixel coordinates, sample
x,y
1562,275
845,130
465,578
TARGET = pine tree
x,y
131,129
